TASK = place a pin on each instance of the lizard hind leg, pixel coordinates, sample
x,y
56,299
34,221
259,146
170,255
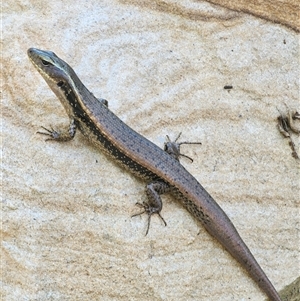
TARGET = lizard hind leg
x,y
173,148
154,203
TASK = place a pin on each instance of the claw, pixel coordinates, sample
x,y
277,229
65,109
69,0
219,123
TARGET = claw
x,y
150,212
173,148
54,135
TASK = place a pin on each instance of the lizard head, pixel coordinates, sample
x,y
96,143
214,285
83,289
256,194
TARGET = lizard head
x,y
53,69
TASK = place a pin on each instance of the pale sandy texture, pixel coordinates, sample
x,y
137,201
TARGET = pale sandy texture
x,y
66,227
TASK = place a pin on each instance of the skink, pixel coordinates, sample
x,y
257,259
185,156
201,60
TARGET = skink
x,y
135,153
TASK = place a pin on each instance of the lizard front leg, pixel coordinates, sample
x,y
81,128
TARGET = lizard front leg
x,y
56,135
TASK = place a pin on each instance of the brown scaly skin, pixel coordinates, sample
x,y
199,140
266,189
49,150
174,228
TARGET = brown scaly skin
x,y
143,158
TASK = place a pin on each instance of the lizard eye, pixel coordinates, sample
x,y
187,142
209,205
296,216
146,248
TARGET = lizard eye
x,y
45,63
60,84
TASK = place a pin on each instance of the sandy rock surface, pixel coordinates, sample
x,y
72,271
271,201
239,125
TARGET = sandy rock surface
x,y
67,231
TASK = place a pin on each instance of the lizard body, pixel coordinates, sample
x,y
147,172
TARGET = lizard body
x,y
143,158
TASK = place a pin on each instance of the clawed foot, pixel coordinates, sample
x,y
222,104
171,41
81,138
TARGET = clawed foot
x,y
53,134
65,135
150,211
173,148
